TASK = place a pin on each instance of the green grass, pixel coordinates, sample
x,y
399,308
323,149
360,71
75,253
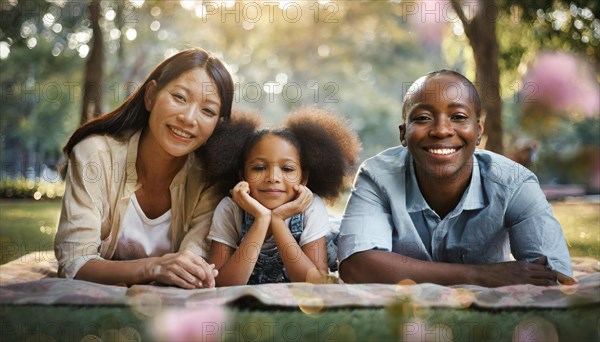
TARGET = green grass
x,y
72,323
28,225
581,225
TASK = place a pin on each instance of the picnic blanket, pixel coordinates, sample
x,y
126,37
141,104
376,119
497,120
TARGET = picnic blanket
x,y
32,279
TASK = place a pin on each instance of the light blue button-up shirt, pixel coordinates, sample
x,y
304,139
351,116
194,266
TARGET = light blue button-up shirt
x,y
503,210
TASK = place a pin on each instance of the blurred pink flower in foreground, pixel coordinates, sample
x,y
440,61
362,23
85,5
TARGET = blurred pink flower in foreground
x,y
564,83
204,324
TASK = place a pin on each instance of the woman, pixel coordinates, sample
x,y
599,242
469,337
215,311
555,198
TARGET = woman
x,y
138,205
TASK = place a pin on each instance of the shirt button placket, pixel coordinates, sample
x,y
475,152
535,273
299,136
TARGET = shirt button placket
x,y
438,237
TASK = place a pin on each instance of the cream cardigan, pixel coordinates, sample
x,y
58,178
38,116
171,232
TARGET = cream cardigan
x,y
101,177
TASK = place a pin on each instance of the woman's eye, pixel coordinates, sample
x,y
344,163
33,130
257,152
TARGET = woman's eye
x,y
288,169
179,97
258,168
209,112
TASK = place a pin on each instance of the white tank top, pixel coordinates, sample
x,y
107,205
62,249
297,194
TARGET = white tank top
x,y
142,237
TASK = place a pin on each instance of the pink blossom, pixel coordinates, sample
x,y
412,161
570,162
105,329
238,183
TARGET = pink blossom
x,y
429,19
563,82
204,324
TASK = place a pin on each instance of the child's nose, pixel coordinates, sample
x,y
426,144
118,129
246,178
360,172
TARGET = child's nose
x,y
274,174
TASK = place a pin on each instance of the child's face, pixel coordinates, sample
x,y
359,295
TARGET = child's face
x,y
272,169
441,128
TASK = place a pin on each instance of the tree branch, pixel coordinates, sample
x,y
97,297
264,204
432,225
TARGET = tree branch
x,y
457,6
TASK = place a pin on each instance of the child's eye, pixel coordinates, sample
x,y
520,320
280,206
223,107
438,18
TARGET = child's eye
x,y
258,168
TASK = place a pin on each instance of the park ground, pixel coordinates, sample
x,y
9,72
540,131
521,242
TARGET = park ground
x,y
29,225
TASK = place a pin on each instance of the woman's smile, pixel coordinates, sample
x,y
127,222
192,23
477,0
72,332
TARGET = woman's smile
x,y
180,133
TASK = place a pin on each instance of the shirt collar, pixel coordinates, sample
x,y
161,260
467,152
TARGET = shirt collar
x,y
415,201
475,198
471,200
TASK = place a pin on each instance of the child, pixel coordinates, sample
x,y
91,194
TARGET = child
x,y
435,210
269,230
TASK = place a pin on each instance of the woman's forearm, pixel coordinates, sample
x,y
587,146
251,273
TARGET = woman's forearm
x,y
117,272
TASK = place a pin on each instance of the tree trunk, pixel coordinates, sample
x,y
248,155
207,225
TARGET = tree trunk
x,y
92,91
481,31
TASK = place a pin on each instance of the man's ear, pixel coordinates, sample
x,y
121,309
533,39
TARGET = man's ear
x,y
150,95
402,129
480,126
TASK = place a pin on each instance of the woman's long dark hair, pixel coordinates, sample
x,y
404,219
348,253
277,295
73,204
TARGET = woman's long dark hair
x,y
132,115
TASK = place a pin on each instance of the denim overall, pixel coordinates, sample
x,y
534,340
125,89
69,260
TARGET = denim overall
x,y
269,267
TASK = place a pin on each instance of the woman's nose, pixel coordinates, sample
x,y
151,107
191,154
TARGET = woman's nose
x,y
188,117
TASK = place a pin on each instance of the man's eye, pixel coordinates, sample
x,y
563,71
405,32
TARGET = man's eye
x,y
420,118
459,117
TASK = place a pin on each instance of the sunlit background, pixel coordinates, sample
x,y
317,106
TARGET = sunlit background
x,y
355,57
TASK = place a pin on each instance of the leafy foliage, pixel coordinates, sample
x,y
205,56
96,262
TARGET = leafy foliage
x,y
23,188
357,58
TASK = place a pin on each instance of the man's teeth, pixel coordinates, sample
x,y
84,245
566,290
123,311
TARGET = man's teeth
x,y
442,150
180,133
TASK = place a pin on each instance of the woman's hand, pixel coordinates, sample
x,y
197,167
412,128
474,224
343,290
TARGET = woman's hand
x,y
241,196
184,269
299,204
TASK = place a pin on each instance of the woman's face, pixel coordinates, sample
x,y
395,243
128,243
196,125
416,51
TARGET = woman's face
x,y
272,169
184,113
441,128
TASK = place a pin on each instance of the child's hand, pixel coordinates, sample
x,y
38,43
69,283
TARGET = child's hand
x,y
241,196
298,205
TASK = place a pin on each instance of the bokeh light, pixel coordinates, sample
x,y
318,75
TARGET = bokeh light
x,y
534,329
145,304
